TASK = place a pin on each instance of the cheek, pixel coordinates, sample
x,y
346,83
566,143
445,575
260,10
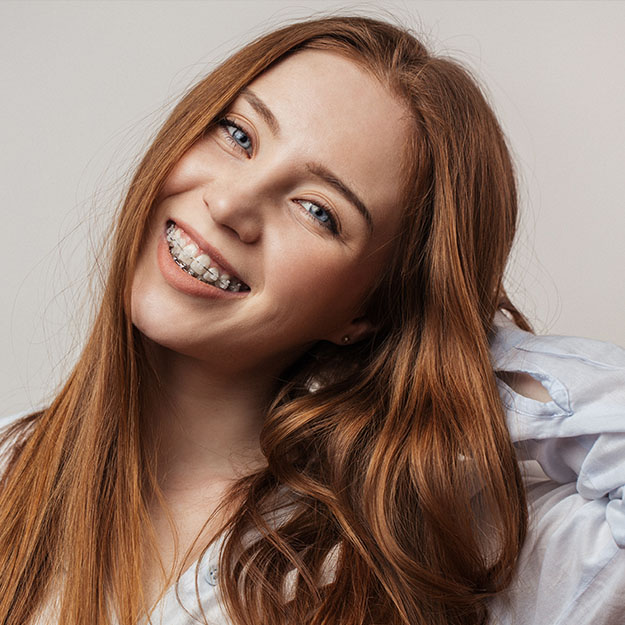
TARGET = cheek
x,y
144,292
186,174
322,287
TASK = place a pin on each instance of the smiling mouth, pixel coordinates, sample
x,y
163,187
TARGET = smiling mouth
x,y
197,263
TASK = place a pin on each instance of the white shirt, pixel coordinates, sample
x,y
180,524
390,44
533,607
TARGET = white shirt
x,y
572,451
572,454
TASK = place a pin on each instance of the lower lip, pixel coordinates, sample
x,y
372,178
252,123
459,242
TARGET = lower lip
x,y
180,280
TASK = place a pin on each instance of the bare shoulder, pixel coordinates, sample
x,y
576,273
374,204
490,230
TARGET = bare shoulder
x,y
524,384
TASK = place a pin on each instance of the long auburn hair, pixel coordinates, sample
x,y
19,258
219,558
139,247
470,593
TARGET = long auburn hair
x,y
393,453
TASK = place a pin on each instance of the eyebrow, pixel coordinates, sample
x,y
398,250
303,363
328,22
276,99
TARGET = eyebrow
x,y
262,109
325,174
316,169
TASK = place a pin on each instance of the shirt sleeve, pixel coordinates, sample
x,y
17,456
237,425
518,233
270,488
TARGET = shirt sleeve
x,y
572,454
570,570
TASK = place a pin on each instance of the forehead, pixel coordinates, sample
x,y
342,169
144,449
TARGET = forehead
x,y
332,110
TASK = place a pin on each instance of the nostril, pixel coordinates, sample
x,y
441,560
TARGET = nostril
x,y
248,233
234,212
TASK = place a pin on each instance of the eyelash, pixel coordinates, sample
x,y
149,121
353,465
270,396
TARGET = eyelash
x,y
331,224
223,123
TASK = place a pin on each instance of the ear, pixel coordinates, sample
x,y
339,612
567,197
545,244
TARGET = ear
x,y
357,330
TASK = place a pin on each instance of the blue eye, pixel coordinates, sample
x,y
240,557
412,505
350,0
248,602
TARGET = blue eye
x,y
237,134
320,214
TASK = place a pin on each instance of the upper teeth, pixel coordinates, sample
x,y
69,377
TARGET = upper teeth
x,y
195,262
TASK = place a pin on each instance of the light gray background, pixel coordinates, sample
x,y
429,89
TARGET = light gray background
x,y
85,84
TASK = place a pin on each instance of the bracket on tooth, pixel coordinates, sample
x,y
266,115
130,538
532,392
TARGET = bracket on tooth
x,y
211,274
184,256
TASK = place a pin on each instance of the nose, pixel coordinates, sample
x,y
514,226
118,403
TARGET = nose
x,y
236,207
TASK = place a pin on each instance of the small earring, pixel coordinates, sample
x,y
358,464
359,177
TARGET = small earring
x,y
345,339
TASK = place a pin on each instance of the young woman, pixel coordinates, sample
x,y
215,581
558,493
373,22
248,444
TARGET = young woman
x,y
306,398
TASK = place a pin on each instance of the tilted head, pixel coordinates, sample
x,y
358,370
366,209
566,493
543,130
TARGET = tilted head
x,y
456,197
296,191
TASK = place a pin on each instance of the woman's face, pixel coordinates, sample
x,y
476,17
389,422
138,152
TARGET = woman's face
x,y
295,195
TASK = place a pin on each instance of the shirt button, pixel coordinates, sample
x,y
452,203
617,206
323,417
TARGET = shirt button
x,y
211,575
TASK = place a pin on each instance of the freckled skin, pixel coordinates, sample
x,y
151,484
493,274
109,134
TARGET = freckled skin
x,y
253,205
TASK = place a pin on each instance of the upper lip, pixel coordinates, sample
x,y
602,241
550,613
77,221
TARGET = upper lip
x,y
205,246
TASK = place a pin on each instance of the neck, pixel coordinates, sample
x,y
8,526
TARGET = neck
x,y
206,421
